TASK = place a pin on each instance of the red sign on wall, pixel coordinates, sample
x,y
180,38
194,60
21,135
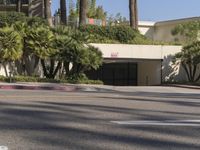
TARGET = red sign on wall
x,y
114,54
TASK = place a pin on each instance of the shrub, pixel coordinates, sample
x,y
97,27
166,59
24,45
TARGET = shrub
x,y
91,82
82,79
9,18
76,79
2,78
110,34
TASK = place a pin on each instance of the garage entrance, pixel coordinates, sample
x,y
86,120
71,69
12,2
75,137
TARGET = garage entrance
x,y
119,74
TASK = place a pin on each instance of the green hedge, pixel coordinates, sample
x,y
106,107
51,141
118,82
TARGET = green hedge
x,y
9,18
114,34
37,79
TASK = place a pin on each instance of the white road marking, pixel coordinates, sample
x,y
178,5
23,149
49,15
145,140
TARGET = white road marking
x,y
3,148
188,123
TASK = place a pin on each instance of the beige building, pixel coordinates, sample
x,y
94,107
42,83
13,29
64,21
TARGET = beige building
x,y
143,64
137,64
161,31
10,5
29,7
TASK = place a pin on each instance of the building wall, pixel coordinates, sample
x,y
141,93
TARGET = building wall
x,y
147,31
2,71
34,8
161,31
149,59
149,73
128,51
170,71
146,28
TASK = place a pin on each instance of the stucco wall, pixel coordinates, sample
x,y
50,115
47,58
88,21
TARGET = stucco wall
x,y
146,28
149,59
136,51
2,70
160,32
149,73
163,33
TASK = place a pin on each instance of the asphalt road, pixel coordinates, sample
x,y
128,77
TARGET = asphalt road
x,y
47,120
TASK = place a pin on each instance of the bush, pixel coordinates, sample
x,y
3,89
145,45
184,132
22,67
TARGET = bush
x,y
9,18
82,79
25,79
91,82
76,79
2,78
113,34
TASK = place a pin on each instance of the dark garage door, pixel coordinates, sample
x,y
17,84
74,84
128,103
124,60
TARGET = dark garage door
x,y
121,74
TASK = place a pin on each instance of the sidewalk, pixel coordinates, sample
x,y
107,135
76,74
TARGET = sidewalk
x,y
196,87
64,87
38,86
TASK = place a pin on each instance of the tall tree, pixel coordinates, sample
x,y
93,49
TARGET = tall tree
x,y
77,7
72,18
10,47
63,10
92,8
47,11
133,14
83,12
189,58
19,5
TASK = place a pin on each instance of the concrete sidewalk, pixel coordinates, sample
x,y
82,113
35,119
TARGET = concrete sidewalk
x,y
64,87
196,87
38,86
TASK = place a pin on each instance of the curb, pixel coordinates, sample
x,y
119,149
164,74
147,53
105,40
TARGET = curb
x,y
183,86
35,87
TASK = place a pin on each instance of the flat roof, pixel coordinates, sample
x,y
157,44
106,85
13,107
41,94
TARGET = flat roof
x,y
175,21
146,23
167,22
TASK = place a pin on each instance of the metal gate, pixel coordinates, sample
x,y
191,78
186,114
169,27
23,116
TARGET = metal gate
x,y
120,74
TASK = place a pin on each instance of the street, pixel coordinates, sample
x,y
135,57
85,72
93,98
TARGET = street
x,y
137,118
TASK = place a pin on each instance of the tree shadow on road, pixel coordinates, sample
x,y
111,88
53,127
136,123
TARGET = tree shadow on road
x,y
58,125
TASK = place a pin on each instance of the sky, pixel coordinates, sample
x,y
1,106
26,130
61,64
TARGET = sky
x,y
150,10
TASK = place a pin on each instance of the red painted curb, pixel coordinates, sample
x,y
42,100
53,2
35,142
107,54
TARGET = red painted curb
x,y
24,87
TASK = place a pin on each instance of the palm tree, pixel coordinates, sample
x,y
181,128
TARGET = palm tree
x,y
83,12
63,11
18,5
133,14
40,42
10,47
47,11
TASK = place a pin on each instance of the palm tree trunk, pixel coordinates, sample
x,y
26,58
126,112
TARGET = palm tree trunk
x,y
83,12
63,10
133,14
19,6
47,11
